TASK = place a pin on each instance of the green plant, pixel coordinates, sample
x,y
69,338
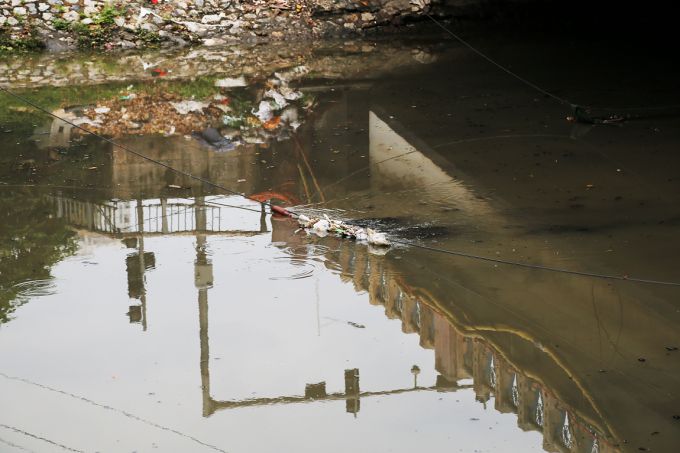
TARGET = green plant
x,y
82,15
107,16
27,41
60,8
61,25
149,37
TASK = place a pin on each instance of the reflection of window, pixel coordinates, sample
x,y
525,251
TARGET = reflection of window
x,y
366,275
514,390
537,408
382,290
593,446
468,353
416,314
565,432
490,371
399,302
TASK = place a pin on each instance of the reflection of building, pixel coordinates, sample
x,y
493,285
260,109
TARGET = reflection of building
x,y
56,134
459,357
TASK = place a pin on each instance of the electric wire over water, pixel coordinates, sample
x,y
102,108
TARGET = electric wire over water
x,y
280,210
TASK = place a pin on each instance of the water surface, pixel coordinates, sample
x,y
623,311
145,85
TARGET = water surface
x,y
142,309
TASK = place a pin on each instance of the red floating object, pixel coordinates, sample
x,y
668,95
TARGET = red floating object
x,y
280,211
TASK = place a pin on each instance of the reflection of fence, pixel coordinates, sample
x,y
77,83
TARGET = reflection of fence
x,y
132,218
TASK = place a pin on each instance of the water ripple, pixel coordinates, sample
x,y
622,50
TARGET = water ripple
x,y
37,288
307,268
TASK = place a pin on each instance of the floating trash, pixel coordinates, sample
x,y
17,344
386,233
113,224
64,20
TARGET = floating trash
x,y
337,226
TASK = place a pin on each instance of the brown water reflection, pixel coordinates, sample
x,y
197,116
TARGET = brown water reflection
x,y
289,336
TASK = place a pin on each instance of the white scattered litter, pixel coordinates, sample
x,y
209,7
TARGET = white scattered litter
x,y
231,82
185,107
265,111
289,93
102,110
278,98
86,120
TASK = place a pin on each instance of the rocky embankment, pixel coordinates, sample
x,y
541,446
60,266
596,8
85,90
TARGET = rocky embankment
x,y
91,24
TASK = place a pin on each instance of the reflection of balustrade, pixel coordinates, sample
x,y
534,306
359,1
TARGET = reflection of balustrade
x,y
122,219
93,217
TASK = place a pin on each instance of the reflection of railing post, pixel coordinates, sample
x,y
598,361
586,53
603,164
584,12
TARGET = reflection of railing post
x,y
263,220
90,216
60,206
140,228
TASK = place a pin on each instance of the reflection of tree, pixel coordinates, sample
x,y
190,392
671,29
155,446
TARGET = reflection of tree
x,y
31,242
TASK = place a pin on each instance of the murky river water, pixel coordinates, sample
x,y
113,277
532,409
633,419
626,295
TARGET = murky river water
x,y
143,310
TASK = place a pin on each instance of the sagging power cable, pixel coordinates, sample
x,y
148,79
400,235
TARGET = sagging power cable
x,y
170,167
532,266
526,81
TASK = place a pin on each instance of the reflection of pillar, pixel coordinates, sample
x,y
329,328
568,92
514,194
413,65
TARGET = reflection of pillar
x,y
203,280
503,391
201,216
205,351
137,264
352,403
409,314
426,327
480,360
449,347
525,396
164,213
551,417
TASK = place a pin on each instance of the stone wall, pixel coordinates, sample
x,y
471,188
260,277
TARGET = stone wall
x,y
216,21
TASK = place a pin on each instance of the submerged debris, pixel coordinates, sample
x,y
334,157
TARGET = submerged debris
x,y
337,226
